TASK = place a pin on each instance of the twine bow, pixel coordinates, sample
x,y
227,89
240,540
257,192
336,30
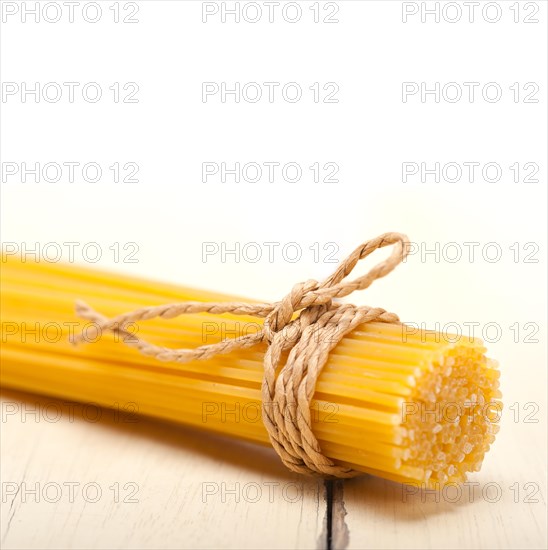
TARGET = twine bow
x,y
310,336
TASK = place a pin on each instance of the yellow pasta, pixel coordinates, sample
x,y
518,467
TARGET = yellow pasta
x,y
407,405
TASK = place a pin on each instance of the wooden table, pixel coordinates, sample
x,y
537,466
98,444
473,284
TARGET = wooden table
x,y
76,476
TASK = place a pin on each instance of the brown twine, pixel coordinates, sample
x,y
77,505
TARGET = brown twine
x,y
310,336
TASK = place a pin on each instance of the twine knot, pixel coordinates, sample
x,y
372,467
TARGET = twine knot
x,y
283,311
321,323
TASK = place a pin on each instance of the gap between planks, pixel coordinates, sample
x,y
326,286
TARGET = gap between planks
x,y
336,535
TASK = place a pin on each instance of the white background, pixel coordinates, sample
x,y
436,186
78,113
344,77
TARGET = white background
x,y
369,133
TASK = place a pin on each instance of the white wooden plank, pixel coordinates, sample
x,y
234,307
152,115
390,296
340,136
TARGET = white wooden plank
x,y
381,514
191,490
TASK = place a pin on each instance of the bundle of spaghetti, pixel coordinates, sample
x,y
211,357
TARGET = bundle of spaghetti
x,y
400,403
